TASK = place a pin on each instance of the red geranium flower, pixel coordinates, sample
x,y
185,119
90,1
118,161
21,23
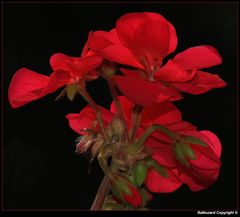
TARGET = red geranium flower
x,y
198,170
142,40
27,85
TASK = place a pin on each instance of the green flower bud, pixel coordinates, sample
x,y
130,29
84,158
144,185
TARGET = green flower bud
x,y
180,154
187,151
140,172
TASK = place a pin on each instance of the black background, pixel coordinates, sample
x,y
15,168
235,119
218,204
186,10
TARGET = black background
x,y
41,170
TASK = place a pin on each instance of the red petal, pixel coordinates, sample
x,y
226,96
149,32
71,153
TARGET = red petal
x,y
173,39
199,57
181,127
162,113
147,35
59,61
74,65
138,90
127,107
133,73
27,85
162,153
214,143
57,79
86,117
85,49
173,72
157,183
197,184
108,46
201,83
82,120
121,55
86,64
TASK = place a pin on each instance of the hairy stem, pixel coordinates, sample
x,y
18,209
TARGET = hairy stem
x,y
119,107
155,127
136,120
92,103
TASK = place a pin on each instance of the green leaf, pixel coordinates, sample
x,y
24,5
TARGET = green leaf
x,y
71,91
188,152
140,172
179,154
194,140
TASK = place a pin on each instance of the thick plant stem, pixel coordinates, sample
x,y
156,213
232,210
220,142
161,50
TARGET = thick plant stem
x,y
119,107
102,194
104,187
136,120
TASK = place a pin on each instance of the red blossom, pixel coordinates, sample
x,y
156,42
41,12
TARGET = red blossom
x,y
142,40
27,85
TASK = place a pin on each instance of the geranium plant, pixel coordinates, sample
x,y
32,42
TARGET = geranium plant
x,y
141,142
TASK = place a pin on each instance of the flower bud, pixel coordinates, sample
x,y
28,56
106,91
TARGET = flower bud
x,y
108,68
188,152
117,126
126,191
183,151
179,154
139,172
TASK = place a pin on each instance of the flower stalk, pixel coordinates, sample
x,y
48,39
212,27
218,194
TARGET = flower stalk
x,y
136,120
82,90
119,108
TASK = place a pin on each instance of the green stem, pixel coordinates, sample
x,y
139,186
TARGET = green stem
x,y
88,98
119,107
155,127
136,120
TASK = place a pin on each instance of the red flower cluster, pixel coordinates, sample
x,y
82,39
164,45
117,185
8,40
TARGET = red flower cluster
x,y
198,167
172,152
142,40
